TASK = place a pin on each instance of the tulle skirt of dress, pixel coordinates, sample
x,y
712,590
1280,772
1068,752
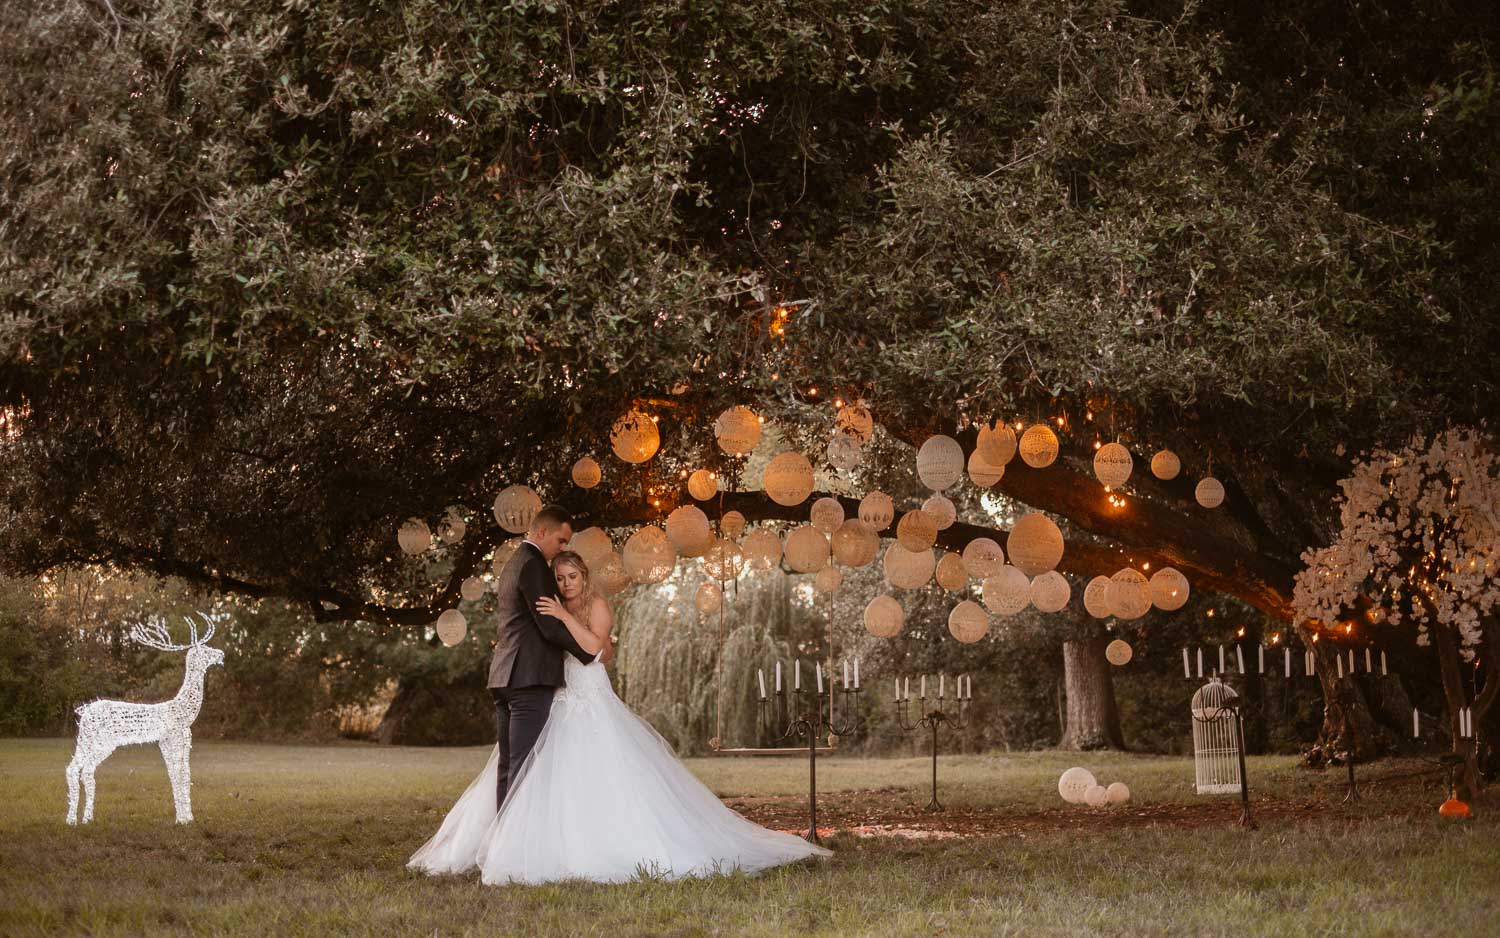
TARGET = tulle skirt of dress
x,y
602,798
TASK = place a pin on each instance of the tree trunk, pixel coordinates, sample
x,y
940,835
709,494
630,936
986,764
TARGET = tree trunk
x,y
1349,728
1453,693
431,714
1093,721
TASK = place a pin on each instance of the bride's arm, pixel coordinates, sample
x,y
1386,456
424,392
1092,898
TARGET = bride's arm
x,y
581,633
601,622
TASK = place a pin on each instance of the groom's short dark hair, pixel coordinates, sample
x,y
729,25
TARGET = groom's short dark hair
x,y
552,516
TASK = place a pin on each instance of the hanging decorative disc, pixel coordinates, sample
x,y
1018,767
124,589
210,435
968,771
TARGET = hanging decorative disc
x,y
414,536
649,556
732,525
855,420
703,485
983,557
1096,597
608,573
952,575
854,544
788,479
916,530
634,437
737,430
503,553
828,580
827,514
940,462
997,442
762,549
940,509
968,622
906,569
806,549
982,472
1169,589
591,544
709,599
844,452
1050,592
1039,446
884,617
1112,464
472,589
1129,594
877,510
1210,492
725,560
1035,544
587,473
1006,592
453,528
1118,653
689,531
1165,465
452,627
515,506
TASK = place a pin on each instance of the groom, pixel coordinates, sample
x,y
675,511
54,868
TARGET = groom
x,y
528,663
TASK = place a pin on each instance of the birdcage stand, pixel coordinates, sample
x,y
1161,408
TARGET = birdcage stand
x,y
1212,713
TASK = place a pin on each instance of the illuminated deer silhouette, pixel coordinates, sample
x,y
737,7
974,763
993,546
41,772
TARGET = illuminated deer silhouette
x,y
106,725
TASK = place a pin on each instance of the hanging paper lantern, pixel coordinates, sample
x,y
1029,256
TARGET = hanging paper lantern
x,y
855,420
1096,597
1165,465
828,580
515,506
1118,653
732,525
709,599
1035,544
1210,492
703,485
908,569
649,556
725,560
1050,592
982,472
844,452
1112,464
877,510
968,622
737,430
453,527
941,511
1169,589
884,617
471,589
591,544
634,437
689,530
983,558
587,473
916,530
1129,594
951,574
1118,792
788,478
827,514
806,549
997,443
1097,796
1073,783
414,536
854,544
940,462
762,549
451,627
1007,592
1039,446
608,573
503,553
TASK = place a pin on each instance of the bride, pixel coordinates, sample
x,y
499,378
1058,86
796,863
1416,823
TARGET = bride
x,y
602,797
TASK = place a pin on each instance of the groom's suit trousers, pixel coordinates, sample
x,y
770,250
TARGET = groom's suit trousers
x,y
520,714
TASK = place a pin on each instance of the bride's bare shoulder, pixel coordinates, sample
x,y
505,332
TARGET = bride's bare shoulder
x,y
601,608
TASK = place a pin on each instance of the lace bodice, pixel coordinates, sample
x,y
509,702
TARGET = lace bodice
x,y
586,684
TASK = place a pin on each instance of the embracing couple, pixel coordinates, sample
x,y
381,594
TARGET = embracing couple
x,y
579,787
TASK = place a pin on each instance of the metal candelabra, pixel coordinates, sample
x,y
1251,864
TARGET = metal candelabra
x,y
934,718
800,715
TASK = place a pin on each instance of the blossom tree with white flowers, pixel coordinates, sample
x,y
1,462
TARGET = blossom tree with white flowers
x,y
1419,547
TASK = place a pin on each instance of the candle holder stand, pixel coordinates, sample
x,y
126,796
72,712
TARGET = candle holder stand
x,y
799,715
932,720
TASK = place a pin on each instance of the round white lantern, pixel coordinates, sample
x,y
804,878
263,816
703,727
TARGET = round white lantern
x,y
844,452
854,544
884,617
737,430
608,573
788,478
983,557
940,509
908,569
1129,594
1073,783
452,627
1118,653
827,514
1169,589
587,473
703,485
1096,796
952,575
828,580
689,530
515,506
762,549
1006,592
1118,792
983,472
472,589
1039,446
503,553
1210,492
1050,592
732,525
634,437
453,527
1035,544
877,510
806,549
997,442
709,599
968,622
1112,464
724,560
1096,597
414,536
916,530
940,462
855,420
591,544
648,555
1165,465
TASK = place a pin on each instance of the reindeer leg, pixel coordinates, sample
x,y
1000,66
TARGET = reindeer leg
x,y
174,750
73,790
88,791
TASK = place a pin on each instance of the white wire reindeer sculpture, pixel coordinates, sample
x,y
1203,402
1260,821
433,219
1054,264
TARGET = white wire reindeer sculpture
x,y
106,725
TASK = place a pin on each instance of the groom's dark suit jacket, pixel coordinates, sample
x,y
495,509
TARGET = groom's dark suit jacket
x,y
528,648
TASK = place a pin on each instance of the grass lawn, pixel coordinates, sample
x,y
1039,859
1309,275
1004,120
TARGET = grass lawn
x,y
311,840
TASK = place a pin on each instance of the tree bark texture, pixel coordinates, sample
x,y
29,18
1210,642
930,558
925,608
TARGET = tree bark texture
x,y
1093,720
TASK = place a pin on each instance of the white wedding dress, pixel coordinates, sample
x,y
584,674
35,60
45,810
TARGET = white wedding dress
x,y
602,797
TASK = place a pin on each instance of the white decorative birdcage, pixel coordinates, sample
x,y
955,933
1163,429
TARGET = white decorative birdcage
x,y
1216,739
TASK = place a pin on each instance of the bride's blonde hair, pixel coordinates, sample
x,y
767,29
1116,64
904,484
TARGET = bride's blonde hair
x,y
586,596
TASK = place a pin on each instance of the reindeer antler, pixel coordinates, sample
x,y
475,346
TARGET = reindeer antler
x,y
203,640
154,634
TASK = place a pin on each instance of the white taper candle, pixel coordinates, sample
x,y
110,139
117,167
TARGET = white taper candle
x,y
778,677
760,675
818,669
1239,657
1187,667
